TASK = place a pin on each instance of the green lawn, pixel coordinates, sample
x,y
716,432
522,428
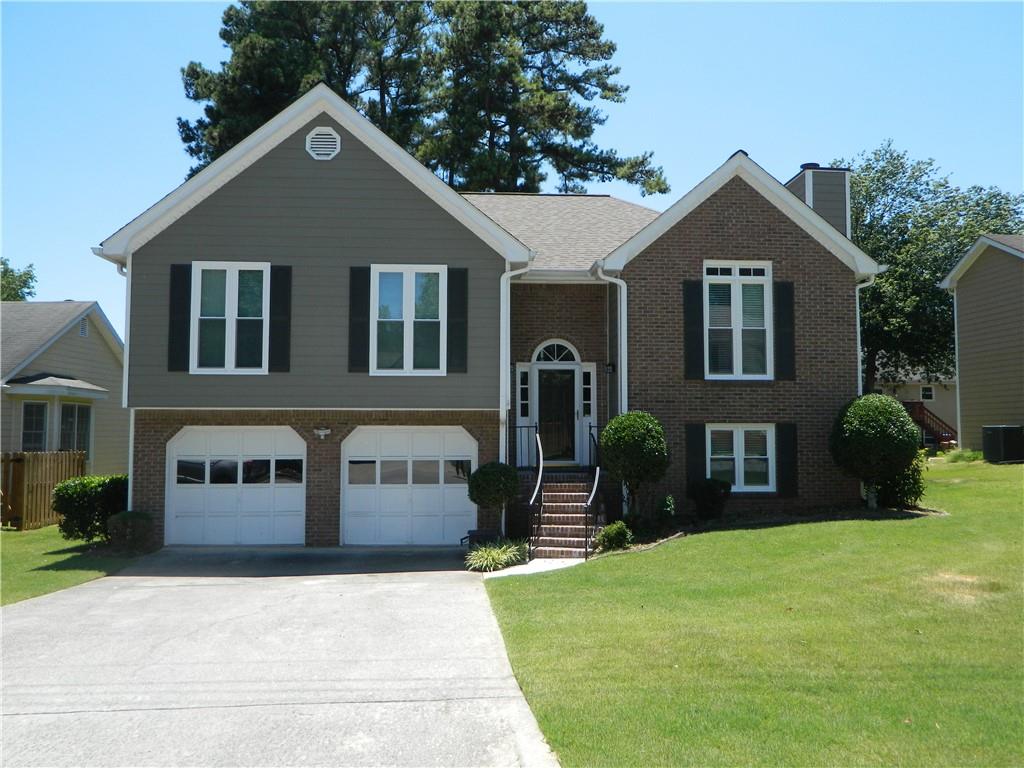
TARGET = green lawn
x,y
36,562
892,642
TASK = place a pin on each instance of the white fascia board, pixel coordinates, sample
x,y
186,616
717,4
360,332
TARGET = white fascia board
x,y
319,100
983,242
768,187
50,391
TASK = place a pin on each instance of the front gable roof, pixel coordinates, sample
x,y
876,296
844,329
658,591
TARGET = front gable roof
x,y
31,327
1010,244
318,100
741,166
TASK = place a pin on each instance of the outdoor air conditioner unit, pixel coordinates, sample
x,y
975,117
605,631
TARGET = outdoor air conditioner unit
x,y
1003,443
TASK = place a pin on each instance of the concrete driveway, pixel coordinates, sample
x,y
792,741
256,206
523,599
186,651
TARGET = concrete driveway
x,y
270,657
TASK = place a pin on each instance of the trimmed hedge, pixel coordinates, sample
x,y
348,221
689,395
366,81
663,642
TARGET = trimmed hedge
x,y
86,503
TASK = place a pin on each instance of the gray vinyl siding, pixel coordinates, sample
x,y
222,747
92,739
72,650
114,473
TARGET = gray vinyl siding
x,y
830,197
796,185
990,339
320,217
91,359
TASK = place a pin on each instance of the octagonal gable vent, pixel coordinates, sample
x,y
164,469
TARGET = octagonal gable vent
x,y
323,143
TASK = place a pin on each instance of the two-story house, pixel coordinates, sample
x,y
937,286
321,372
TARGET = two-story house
x,y
324,339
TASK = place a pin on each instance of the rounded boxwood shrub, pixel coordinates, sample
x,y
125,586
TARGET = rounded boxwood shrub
x,y
85,503
905,489
494,485
130,531
634,452
874,439
613,536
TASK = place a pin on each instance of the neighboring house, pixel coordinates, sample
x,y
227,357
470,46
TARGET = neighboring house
x,y
931,403
324,339
62,377
988,306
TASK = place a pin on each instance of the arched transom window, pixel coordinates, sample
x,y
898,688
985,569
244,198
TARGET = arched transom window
x,y
556,352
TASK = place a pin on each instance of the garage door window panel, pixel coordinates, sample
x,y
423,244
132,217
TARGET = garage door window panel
x,y
362,472
191,472
256,472
288,471
426,472
394,472
224,472
456,471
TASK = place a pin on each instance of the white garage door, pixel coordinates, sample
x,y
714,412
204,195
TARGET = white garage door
x,y
407,485
236,485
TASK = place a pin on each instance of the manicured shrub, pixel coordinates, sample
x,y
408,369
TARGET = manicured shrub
x,y
494,485
130,531
709,495
85,503
497,555
613,536
634,452
874,439
905,489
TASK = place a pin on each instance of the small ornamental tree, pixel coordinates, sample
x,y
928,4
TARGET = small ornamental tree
x,y
494,485
634,451
874,439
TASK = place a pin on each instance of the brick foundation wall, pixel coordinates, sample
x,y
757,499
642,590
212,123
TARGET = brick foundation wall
x,y
737,223
576,313
154,428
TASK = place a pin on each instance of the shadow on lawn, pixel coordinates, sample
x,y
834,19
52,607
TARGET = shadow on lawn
x,y
828,516
87,557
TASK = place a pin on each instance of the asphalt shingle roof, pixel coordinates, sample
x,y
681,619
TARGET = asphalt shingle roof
x,y
568,232
26,325
1013,241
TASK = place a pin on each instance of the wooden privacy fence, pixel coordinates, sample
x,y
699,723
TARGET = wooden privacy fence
x,y
27,480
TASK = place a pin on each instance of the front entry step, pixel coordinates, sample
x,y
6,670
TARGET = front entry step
x,y
563,518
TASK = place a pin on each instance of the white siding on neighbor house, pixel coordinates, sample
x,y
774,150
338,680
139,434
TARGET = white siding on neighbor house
x,y
944,404
91,359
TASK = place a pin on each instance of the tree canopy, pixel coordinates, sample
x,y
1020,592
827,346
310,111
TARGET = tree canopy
x,y
907,215
16,284
491,96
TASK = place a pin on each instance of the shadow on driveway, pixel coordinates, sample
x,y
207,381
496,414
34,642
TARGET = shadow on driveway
x,y
258,562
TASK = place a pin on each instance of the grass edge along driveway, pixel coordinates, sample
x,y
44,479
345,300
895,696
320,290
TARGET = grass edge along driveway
x,y
840,643
38,562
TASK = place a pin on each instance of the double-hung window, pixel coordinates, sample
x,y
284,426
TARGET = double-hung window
x,y
737,320
33,426
742,455
75,423
230,310
408,320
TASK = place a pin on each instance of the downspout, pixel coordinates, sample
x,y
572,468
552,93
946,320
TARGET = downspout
x,y
860,351
504,359
623,328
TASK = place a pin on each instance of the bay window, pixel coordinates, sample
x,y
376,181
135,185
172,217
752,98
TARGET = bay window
x,y
75,425
737,320
408,320
230,310
742,455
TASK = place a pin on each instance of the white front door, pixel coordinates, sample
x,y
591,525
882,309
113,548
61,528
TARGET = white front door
x,y
407,485
235,485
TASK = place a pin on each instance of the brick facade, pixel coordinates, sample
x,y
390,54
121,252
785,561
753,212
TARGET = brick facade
x,y
576,313
738,223
154,428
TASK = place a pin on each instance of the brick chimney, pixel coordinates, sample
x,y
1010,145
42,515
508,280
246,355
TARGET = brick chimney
x,y
827,191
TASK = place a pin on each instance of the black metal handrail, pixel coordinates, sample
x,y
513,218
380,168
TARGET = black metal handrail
x,y
536,507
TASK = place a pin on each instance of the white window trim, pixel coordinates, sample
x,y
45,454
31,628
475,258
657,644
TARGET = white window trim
x,y
408,272
46,423
929,387
738,447
230,316
92,425
737,318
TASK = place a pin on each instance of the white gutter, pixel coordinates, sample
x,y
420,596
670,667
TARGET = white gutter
x,y
623,328
97,250
505,360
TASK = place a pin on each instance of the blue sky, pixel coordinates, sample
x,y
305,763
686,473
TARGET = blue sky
x,y
91,93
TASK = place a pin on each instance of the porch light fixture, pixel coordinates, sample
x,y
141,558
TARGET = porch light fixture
x,y
609,369
321,432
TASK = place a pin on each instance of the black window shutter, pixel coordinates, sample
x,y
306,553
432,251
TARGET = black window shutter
x,y
178,328
693,329
696,453
359,320
786,459
280,318
458,319
785,331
